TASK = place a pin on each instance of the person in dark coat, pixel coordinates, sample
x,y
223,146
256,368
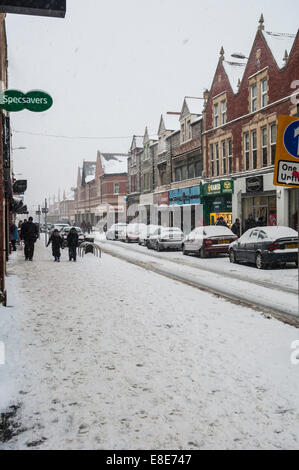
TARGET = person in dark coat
x,y
89,227
13,236
72,243
250,222
29,233
236,228
57,243
221,221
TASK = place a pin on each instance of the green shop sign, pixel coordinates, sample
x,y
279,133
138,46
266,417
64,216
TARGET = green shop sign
x,y
219,187
36,101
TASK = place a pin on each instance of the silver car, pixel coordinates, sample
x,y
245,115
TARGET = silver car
x,y
166,238
145,234
115,231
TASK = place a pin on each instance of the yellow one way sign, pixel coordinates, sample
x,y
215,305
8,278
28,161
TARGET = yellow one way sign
x,y
286,169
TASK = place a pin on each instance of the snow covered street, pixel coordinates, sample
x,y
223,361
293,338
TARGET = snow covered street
x,y
103,354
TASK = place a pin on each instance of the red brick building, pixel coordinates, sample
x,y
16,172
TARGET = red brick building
x,y
240,120
102,186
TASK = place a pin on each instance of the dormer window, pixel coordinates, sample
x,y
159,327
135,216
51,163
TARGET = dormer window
x,y
253,98
216,115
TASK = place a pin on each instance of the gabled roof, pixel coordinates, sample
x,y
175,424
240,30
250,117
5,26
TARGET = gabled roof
x,y
146,137
278,44
168,122
234,73
191,106
137,142
114,163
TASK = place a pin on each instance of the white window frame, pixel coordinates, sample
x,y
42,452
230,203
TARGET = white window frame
x,y
264,144
272,142
223,111
246,151
116,185
253,98
216,114
224,157
264,93
253,148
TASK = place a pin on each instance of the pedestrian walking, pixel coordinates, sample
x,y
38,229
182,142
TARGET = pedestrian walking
x,y
250,222
236,228
29,233
14,236
83,226
57,243
72,243
89,227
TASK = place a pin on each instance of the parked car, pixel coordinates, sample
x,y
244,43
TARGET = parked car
x,y
65,231
145,234
114,232
166,237
265,246
207,240
132,232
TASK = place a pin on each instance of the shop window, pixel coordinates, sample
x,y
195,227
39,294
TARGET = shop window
x,y
223,147
253,150
273,130
177,174
264,93
264,146
191,171
246,150
253,92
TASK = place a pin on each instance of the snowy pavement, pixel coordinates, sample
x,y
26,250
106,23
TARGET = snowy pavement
x,y
102,354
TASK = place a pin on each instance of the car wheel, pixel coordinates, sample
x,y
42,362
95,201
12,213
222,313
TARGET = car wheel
x,y
184,250
232,256
158,247
259,262
296,262
202,253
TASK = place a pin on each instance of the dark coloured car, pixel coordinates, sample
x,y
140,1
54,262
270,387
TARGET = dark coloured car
x,y
266,246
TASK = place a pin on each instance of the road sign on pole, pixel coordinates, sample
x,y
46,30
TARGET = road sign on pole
x,y
286,168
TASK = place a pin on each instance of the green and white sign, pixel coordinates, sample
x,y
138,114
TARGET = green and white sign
x,y
15,100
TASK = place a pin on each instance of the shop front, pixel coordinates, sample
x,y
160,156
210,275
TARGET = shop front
x,y
185,208
145,207
257,196
217,201
160,209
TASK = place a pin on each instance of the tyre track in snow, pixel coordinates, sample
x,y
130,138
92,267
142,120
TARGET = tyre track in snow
x,y
185,262
287,315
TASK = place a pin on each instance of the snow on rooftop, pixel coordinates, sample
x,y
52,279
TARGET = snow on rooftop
x,y
114,163
195,105
234,73
89,178
278,45
171,122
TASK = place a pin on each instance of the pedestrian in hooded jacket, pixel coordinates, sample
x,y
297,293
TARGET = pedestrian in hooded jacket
x,y
57,243
72,243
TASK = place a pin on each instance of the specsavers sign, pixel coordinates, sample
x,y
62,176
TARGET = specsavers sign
x,y
286,170
36,101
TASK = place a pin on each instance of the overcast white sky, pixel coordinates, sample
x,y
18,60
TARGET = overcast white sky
x,y
113,67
